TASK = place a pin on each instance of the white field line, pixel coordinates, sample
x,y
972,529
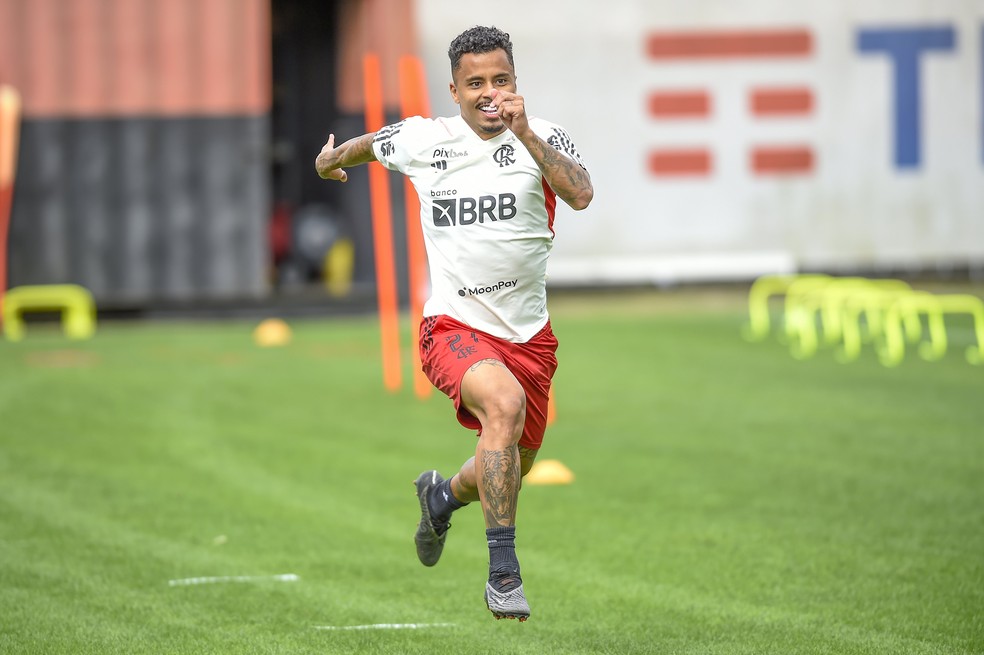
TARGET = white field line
x,y
385,626
221,579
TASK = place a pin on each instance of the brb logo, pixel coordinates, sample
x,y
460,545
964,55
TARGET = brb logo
x,y
468,211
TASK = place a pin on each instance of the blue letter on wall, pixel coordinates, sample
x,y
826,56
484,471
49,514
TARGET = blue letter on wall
x,y
904,46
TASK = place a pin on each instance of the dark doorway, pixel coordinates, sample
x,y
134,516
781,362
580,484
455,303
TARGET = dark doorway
x,y
304,220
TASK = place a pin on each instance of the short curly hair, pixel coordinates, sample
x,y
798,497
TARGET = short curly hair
x,y
479,40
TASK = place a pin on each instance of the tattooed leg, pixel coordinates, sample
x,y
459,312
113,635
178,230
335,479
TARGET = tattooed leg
x,y
496,398
499,485
464,484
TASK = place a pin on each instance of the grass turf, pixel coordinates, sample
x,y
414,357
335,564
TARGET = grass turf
x,y
729,499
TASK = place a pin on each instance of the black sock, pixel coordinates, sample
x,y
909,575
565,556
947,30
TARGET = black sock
x,y
503,564
442,502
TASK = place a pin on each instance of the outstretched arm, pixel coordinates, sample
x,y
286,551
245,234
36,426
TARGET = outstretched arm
x,y
568,180
332,160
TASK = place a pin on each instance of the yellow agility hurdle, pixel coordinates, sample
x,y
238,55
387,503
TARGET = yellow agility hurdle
x,y
78,310
935,308
861,315
763,289
800,329
847,312
837,307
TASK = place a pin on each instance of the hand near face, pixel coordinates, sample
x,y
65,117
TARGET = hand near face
x,y
512,110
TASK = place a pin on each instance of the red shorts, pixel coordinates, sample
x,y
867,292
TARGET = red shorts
x,y
448,347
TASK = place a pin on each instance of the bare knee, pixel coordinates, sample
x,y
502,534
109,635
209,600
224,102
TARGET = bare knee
x,y
505,416
493,395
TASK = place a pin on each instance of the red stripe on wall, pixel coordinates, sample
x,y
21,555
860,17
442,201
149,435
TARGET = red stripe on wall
x,y
219,55
256,60
691,161
782,160
132,88
782,101
86,87
727,44
175,54
679,104
10,46
83,58
39,76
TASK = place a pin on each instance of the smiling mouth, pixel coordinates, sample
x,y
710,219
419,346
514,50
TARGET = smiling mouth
x,y
489,110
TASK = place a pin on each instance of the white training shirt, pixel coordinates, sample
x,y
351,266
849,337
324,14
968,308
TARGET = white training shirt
x,y
487,217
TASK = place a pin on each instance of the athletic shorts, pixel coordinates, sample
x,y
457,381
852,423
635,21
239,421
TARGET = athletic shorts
x,y
448,348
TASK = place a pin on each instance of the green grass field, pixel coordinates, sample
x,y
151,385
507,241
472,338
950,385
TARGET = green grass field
x,y
728,498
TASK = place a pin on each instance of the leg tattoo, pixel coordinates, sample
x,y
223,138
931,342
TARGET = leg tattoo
x,y
500,482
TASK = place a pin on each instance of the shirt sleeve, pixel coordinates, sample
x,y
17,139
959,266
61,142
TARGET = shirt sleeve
x,y
561,141
393,144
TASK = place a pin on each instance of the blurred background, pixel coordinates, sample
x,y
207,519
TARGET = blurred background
x,y
166,148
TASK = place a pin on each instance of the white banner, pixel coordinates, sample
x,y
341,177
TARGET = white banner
x,y
731,139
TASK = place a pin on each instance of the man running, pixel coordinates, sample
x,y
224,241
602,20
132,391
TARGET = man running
x,y
488,180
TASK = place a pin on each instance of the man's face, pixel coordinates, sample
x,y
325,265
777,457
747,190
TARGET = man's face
x,y
472,85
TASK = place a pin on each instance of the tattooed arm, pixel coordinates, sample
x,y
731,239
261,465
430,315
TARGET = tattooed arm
x,y
568,180
332,160
564,175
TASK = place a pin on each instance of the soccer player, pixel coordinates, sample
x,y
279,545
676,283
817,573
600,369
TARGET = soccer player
x,y
488,180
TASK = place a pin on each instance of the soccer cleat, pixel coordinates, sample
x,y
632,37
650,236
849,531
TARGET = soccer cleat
x,y
507,604
430,535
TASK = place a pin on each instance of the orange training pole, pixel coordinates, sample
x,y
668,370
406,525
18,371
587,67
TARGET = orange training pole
x,y
382,230
10,109
413,102
551,407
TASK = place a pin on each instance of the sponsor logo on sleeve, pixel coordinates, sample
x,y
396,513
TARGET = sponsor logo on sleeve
x,y
384,138
561,142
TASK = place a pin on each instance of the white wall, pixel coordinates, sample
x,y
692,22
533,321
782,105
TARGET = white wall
x,y
860,204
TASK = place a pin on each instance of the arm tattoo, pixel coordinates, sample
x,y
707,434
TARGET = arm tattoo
x,y
563,174
362,149
500,482
353,152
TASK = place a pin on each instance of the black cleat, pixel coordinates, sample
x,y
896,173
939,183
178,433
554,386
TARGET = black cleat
x,y
430,534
